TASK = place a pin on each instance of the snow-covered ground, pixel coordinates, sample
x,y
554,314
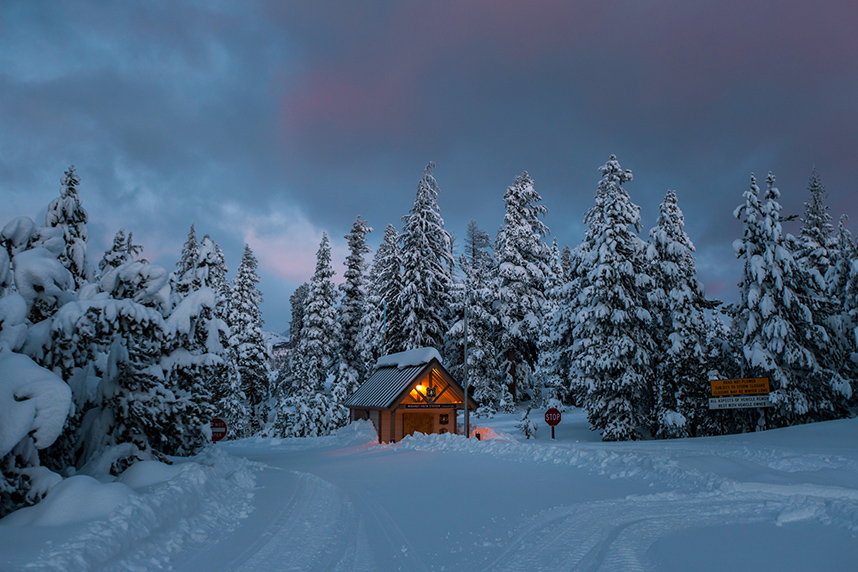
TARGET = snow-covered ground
x,y
779,500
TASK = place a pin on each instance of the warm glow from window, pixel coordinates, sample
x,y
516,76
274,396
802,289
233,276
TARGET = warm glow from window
x,y
419,387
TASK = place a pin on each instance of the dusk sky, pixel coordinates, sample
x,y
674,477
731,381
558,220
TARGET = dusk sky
x,y
271,122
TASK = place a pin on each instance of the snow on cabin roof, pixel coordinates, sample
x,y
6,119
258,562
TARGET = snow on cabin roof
x,y
419,356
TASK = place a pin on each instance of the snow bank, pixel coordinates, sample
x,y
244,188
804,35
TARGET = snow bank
x,y
409,358
73,500
149,513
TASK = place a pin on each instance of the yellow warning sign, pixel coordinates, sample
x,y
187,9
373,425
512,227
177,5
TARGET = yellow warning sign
x,y
746,386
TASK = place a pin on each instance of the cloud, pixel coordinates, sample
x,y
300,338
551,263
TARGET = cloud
x,y
283,239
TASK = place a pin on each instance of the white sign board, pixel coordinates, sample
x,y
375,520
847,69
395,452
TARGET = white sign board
x,y
739,402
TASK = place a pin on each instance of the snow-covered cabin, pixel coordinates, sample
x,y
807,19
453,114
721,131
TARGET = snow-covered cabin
x,y
409,392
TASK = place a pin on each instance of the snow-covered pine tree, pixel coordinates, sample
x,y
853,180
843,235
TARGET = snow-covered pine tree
x,y
523,267
123,250
185,279
66,213
526,425
779,337
351,369
680,401
815,240
285,385
478,293
120,328
247,351
612,345
427,260
197,341
381,327
550,373
566,263
308,411
844,255
849,318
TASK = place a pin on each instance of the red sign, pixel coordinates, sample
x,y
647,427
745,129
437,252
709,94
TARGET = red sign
x,y
218,429
552,417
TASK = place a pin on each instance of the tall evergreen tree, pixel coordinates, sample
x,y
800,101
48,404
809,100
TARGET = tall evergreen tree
x,y
351,370
549,371
427,260
135,408
612,348
320,332
843,256
308,411
67,213
247,351
678,302
815,241
477,296
779,336
566,262
523,268
381,324
185,278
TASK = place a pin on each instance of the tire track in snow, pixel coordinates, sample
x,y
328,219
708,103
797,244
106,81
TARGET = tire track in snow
x,y
617,534
315,531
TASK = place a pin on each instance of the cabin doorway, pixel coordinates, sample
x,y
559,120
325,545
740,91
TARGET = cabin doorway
x,y
414,422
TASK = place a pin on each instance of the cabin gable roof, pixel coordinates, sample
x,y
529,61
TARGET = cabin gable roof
x,y
389,385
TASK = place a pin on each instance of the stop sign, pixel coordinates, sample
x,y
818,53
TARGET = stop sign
x,y
552,417
218,429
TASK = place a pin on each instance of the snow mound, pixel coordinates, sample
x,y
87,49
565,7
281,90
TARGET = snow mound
x,y
75,499
148,473
409,358
140,523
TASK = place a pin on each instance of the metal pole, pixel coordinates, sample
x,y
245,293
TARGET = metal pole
x,y
467,412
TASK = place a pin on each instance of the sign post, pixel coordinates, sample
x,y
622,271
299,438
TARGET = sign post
x,y
552,417
218,429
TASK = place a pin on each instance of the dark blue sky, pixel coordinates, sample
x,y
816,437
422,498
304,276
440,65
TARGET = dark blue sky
x,y
271,122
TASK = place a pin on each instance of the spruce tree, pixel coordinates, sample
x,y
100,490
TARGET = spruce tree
x,y
135,409
477,295
550,372
247,351
381,331
67,214
678,304
185,278
523,268
779,337
123,250
427,260
612,345
308,411
815,241
351,370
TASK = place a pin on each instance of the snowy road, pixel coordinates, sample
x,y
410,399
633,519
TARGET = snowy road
x,y
443,503
785,500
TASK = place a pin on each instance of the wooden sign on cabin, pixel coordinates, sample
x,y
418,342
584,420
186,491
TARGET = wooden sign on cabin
x,y
409,392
